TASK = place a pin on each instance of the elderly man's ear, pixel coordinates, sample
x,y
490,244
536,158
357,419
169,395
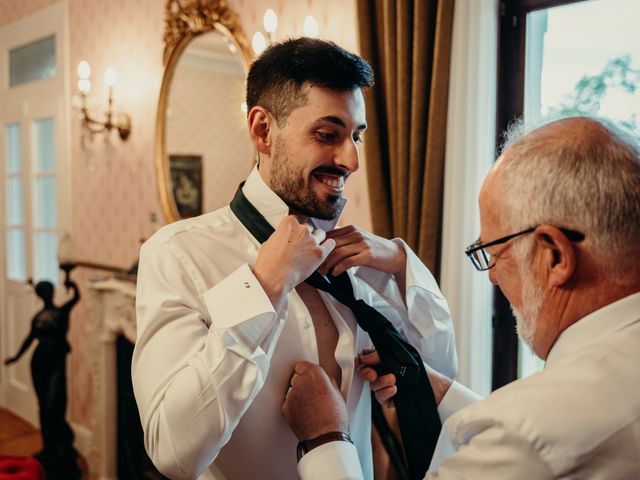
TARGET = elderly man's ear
x,y
559,255
259,122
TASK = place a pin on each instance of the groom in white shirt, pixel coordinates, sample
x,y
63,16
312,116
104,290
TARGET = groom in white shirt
x,y
221,319
560,231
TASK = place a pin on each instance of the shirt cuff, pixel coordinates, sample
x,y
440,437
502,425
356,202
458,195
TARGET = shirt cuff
x,y
334,460
239,303
457,397
417,274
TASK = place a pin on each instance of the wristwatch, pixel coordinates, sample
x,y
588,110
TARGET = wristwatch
x,y
308,445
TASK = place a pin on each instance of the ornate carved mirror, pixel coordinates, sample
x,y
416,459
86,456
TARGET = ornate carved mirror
x,y
203,150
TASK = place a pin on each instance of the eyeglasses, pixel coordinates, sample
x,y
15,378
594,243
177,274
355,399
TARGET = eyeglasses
x,y
482,260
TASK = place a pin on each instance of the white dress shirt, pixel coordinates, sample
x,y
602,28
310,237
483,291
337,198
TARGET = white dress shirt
x,y
577,419
213,359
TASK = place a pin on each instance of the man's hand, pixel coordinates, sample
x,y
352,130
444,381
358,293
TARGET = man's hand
x,y
313,404
357,247
384,386
289,256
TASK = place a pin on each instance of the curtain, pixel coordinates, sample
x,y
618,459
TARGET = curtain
x,y
408,44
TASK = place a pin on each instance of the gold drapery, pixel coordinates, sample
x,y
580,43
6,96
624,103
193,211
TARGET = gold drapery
x,y
408,44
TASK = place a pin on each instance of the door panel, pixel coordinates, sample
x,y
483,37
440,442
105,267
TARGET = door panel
x,y
34,155
21,306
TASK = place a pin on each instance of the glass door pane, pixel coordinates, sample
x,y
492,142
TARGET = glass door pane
x,y
16,261
13,149
45,221
14,204
45,258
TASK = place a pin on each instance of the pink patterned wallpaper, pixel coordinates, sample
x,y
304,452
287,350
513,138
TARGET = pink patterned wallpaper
x,y
113,186
221,139
11,10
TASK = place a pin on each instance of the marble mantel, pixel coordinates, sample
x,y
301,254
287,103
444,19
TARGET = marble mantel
x,y
112,313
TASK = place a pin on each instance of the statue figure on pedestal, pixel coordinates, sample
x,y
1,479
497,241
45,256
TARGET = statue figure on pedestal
x,y
48,370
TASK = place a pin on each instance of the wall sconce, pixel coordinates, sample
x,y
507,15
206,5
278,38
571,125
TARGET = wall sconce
x,y
270,23
90,124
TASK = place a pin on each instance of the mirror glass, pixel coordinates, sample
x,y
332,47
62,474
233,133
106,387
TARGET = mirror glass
x,y
207,147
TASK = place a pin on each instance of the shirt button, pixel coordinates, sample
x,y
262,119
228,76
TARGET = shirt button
x,y
306,324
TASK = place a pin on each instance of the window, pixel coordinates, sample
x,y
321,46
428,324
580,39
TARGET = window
x,y
562,58
31,62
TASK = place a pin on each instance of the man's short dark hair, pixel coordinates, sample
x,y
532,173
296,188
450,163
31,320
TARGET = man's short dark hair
x,y
277,78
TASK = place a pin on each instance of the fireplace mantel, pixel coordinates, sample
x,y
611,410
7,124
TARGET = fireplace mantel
x,y
112,313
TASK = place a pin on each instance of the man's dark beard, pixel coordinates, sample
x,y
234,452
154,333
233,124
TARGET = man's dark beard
x,y
310,205
297,194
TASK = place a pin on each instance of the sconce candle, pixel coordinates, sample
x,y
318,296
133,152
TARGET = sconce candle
x,y
84,72
270,23
258,43
84,85
110,78
90,124
310,28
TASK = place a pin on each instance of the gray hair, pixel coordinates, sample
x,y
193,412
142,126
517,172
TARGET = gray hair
x,y
580,173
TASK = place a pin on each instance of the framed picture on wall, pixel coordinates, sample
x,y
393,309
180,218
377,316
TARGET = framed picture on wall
x,y
186,181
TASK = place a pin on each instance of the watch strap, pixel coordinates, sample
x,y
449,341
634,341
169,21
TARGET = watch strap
x,y
306,446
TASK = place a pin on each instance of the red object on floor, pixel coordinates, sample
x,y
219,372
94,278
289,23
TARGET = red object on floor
x,y
20,468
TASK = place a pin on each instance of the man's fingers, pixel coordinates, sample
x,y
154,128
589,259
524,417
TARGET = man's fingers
x,y
300,367
348,262
319,235
370,358
338,255
385,395
327,246
383,381
368,374
341,232
289,221
303,367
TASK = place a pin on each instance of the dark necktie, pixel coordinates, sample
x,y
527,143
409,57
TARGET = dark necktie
x,y
415,402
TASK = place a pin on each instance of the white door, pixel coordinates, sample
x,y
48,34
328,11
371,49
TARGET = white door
x,y
34,155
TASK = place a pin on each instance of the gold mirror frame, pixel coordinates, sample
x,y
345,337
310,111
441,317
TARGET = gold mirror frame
x,y
185,20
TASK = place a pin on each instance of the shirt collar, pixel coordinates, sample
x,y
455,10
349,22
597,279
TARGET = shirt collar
x,y
594,326
270,205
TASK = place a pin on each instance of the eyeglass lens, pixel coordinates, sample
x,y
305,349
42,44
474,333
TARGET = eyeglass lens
x,y
480,259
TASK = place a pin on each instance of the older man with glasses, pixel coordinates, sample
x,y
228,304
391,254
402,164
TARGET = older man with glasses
x,y
560,235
